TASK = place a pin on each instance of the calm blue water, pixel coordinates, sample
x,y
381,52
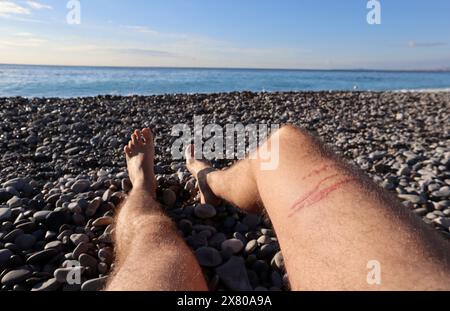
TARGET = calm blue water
x,y
49,81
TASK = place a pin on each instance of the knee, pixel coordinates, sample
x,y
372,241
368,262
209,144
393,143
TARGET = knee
x,y
291,132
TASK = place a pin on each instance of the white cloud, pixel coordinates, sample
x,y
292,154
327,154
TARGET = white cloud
x,y
38,5
23,42
414,44
23,34
141,29
7,8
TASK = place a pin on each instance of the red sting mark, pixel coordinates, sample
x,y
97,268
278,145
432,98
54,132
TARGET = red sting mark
x,y
317,171
317,195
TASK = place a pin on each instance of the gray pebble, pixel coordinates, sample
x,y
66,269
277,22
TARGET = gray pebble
x,y
234,245
25,241
94,284
234,274
205,211
208,257
78,238
49,285
5,214
16,276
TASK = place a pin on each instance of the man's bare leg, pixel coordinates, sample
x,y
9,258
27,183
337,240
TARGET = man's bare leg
x,y
330,220
149,253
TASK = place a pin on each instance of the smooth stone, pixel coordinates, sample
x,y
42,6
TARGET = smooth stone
x,y
42,256
5,195
72,151
41,215
12,236
74,207
102,268
443,222
422,211
61,274
260,266
217,239
169,198
431,216
14,202
78,238
208,257
205,211
252,221
88,261
185,226
78,219
106,255
16,276
251,246
268,232
276,279
264,239
47,286
81,186
54,244
415,199
107,195
25,241
442,193
5,254
234,274
93,207
103,221
94,284
268,250
235,245
278,261
377,155
5,214
27,226
80,249
55,220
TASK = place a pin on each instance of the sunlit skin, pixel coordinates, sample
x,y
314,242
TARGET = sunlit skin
x,y
331,221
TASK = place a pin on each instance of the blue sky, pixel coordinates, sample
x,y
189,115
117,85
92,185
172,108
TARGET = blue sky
x,y
321,34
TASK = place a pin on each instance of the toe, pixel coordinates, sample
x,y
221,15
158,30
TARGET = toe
x,y
127,150
138,137
134,139
189,152
148,136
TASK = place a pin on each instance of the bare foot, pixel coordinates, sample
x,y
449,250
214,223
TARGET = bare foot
x,y
201,170
140,153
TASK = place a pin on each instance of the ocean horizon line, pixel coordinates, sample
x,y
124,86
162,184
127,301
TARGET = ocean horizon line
x,y
434,70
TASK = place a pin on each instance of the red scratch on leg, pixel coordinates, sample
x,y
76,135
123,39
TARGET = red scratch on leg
x,y
310,193
318,195
317,171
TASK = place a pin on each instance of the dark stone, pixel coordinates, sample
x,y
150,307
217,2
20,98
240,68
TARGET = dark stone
x,y
208,256
234,274
49,285
94,284
55,220
16,276
42,256
25,241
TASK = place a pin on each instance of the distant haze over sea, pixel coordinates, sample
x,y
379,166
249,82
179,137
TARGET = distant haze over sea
x,y
61,81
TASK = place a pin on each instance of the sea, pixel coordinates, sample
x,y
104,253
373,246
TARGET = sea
x,y
62,81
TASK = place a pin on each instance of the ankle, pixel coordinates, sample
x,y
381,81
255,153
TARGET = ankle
x,y
145,188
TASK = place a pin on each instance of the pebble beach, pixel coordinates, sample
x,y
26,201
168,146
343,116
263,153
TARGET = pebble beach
x,y
63,176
